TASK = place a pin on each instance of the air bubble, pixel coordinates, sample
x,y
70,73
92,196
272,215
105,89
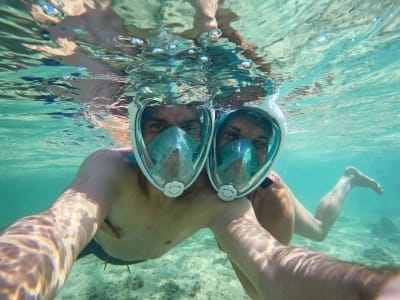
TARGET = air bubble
x,y
215,33
208,38
322,38
246,64
137,41
158,50
203,58
171,46
49,9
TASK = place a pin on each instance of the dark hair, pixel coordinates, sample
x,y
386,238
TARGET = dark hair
x,y
253,116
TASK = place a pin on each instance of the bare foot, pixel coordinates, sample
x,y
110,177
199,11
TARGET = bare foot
x,y
359,179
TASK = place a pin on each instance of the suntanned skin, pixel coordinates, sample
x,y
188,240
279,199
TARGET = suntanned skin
x,y
142,223
37,252
276,207
281,213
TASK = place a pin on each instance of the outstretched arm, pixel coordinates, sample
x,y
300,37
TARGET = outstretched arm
x,y
282,272
37,252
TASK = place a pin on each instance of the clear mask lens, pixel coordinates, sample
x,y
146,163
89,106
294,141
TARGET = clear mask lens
x,y
238,161
173,154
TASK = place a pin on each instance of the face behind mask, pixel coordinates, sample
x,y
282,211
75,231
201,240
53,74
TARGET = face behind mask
x,y
180,141
240,166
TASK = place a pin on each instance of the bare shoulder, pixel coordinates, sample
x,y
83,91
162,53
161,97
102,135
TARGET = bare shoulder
x,y
104,161
277,181
96,184
100,173
106,156
277,188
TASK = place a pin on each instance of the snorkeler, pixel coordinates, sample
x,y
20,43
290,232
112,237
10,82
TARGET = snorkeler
x,y
144,225
246,143
125,203
256,133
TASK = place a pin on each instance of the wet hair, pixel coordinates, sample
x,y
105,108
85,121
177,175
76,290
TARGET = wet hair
x,y
150,110
255,117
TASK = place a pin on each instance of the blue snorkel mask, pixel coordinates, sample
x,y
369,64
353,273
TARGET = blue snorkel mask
x,y
238,164
170,142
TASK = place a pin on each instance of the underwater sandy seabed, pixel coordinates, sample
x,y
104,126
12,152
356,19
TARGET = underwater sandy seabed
x,y
197,269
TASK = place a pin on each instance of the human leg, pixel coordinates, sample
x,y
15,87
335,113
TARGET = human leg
x,y
317,227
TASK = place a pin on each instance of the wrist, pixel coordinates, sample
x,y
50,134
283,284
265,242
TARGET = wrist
x,y
204,22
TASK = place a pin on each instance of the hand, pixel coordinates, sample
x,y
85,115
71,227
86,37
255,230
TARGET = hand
x,y
53,11
204,20
66,48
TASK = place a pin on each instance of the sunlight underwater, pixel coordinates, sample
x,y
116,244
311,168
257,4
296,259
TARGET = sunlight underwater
x,y
335,64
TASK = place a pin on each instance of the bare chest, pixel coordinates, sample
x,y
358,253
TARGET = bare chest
x,y
140,227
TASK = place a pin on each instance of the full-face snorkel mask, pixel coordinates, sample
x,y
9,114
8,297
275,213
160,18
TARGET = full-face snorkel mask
x,y
171,142
236,168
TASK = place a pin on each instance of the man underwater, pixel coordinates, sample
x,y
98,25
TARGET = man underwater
x,y
124,203
127,207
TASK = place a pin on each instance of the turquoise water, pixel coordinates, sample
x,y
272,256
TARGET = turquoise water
x,y
336,64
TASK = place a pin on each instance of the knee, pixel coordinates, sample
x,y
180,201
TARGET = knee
x,y
320,233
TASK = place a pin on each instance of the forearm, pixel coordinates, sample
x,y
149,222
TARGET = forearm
x,y
281,272
303,274
35,258
37,252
